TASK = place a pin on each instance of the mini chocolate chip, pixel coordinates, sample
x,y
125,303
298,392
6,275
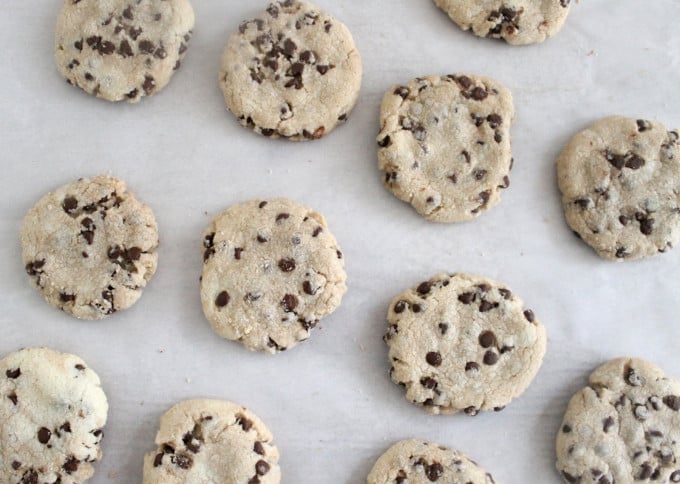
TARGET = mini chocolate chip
x,y
182,461
485,306
646,472
607,424
261,239
289,303
643,125
434,358
261,467
424,287
13,398
13,374
307,287
147,46
66,427
16,465
443,328
472,366
506,293
471,411
566,428
434,471
134,253
621,252
287,265
222,299
429,383
416,308
633,378
490,357
44,435
400,306
322,69
282,216
70,204
529,315
634,162
569,478
675,476
467,297
672,402
158,460
647,226
479,174
71,465
149,84
258,448
244,422
487,339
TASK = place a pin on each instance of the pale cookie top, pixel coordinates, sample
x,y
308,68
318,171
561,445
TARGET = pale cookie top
x,y
444,144
461,342
620,183
623,427
518,22
122,49
419,462
52,410
272,269
90,247
292,72
212,441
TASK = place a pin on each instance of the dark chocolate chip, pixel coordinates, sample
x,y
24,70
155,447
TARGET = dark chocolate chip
x,y
182,461
490,357
487,339
529,315
434,358
44,435
222,299
13,398
287,265
424,287
13,374
467,297
566,428
434,471
258,448
308,289
71,465
672,402
472,366
289,303
16,465
429,383
261,467
158,460
607,424
70,204
400,306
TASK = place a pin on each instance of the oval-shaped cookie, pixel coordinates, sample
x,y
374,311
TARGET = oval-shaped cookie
x,y
52,410
623,427
212,441
90,247
461,342
271,270
293,72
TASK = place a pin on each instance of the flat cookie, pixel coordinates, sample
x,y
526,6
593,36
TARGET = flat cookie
x,y
293,72
122,49
271,271
419,462
518,22
52,410
623,427
444,145
206,441
461,342
620,183
90,247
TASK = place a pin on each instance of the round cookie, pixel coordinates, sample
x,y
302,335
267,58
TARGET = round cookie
x,y
271,271
121,49
52,410
90,247
461,342
620,183
212,441
623,427
518,22
293,72
420,462
444,145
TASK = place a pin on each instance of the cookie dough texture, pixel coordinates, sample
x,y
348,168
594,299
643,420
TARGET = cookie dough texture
x,y
292,72
420,462
620,183
205,441
122,49
52,410
444,145
460,342
90,247
623,427
272,269
518,22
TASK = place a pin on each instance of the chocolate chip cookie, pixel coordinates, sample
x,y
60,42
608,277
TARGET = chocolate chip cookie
x,y
271,270
293,72
444,145
620,183
90,247
419,462
518,22
623,427
206,441
52,410
460,342
122,50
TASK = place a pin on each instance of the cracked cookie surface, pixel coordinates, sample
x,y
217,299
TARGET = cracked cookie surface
x,y
52,410
271,270
518,22
90,247
620,183
623,427
212,441
444,145
462,342
292,72
418,462
122,50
